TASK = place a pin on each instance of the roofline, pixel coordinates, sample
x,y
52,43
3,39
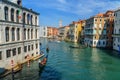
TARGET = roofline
x,y
8,2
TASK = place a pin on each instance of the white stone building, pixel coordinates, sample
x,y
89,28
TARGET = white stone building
x,y
43,31
116,35
19,33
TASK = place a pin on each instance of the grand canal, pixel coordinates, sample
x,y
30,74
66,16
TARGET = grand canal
x,y
65,63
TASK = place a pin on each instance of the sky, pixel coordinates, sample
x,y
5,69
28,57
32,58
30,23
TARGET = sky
x,y
52,11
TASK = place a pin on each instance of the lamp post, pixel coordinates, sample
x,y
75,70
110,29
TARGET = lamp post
x,y
12,64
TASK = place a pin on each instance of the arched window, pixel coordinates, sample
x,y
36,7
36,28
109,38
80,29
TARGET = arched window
x,y
36,33
28,33
119,31
6,13
13,34
18,34
12,14
36,20
28,18
24,18
24,34
31,33
7,34
103,43
17,16
31,20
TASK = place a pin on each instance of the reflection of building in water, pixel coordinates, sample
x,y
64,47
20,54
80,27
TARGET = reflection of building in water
x,y
18,32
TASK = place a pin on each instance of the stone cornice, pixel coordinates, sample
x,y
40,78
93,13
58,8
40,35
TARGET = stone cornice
x,y
18,23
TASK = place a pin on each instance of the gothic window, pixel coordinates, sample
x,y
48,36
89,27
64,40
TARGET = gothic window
x,y
28,18
17,16
7,34
13,34
8,53
6,13
28,47
25,34
31,33
24,18
12,14
25,48
31,20
14,51
19,50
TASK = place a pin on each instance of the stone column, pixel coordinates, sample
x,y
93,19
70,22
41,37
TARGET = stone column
x,y
16,34
26,34
10,33
9,14
2,15
15,15
30,34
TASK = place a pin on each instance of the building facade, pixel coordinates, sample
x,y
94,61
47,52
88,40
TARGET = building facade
x,y
43,31
72,36
49,32
55,32
95,31
99,29
116,35
61,31
109,28
19,33
75,30
52,32
81,31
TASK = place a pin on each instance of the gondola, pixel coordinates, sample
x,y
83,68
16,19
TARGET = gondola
x,y
74,46
78,47
42,63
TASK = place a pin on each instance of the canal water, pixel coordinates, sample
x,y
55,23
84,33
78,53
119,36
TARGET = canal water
x,y
65,63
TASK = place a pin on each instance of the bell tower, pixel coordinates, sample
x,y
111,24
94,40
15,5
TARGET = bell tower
x,y
60,23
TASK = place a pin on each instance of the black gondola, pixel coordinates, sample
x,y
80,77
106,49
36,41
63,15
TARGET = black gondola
x,y
43,63
78,47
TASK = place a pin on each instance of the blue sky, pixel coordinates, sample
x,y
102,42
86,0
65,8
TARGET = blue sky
x,y
51,11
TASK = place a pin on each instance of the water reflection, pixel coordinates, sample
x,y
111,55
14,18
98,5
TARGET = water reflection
x,y
52,73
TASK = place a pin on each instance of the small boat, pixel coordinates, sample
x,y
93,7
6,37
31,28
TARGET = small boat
x,y
42,63
74,46
78,47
